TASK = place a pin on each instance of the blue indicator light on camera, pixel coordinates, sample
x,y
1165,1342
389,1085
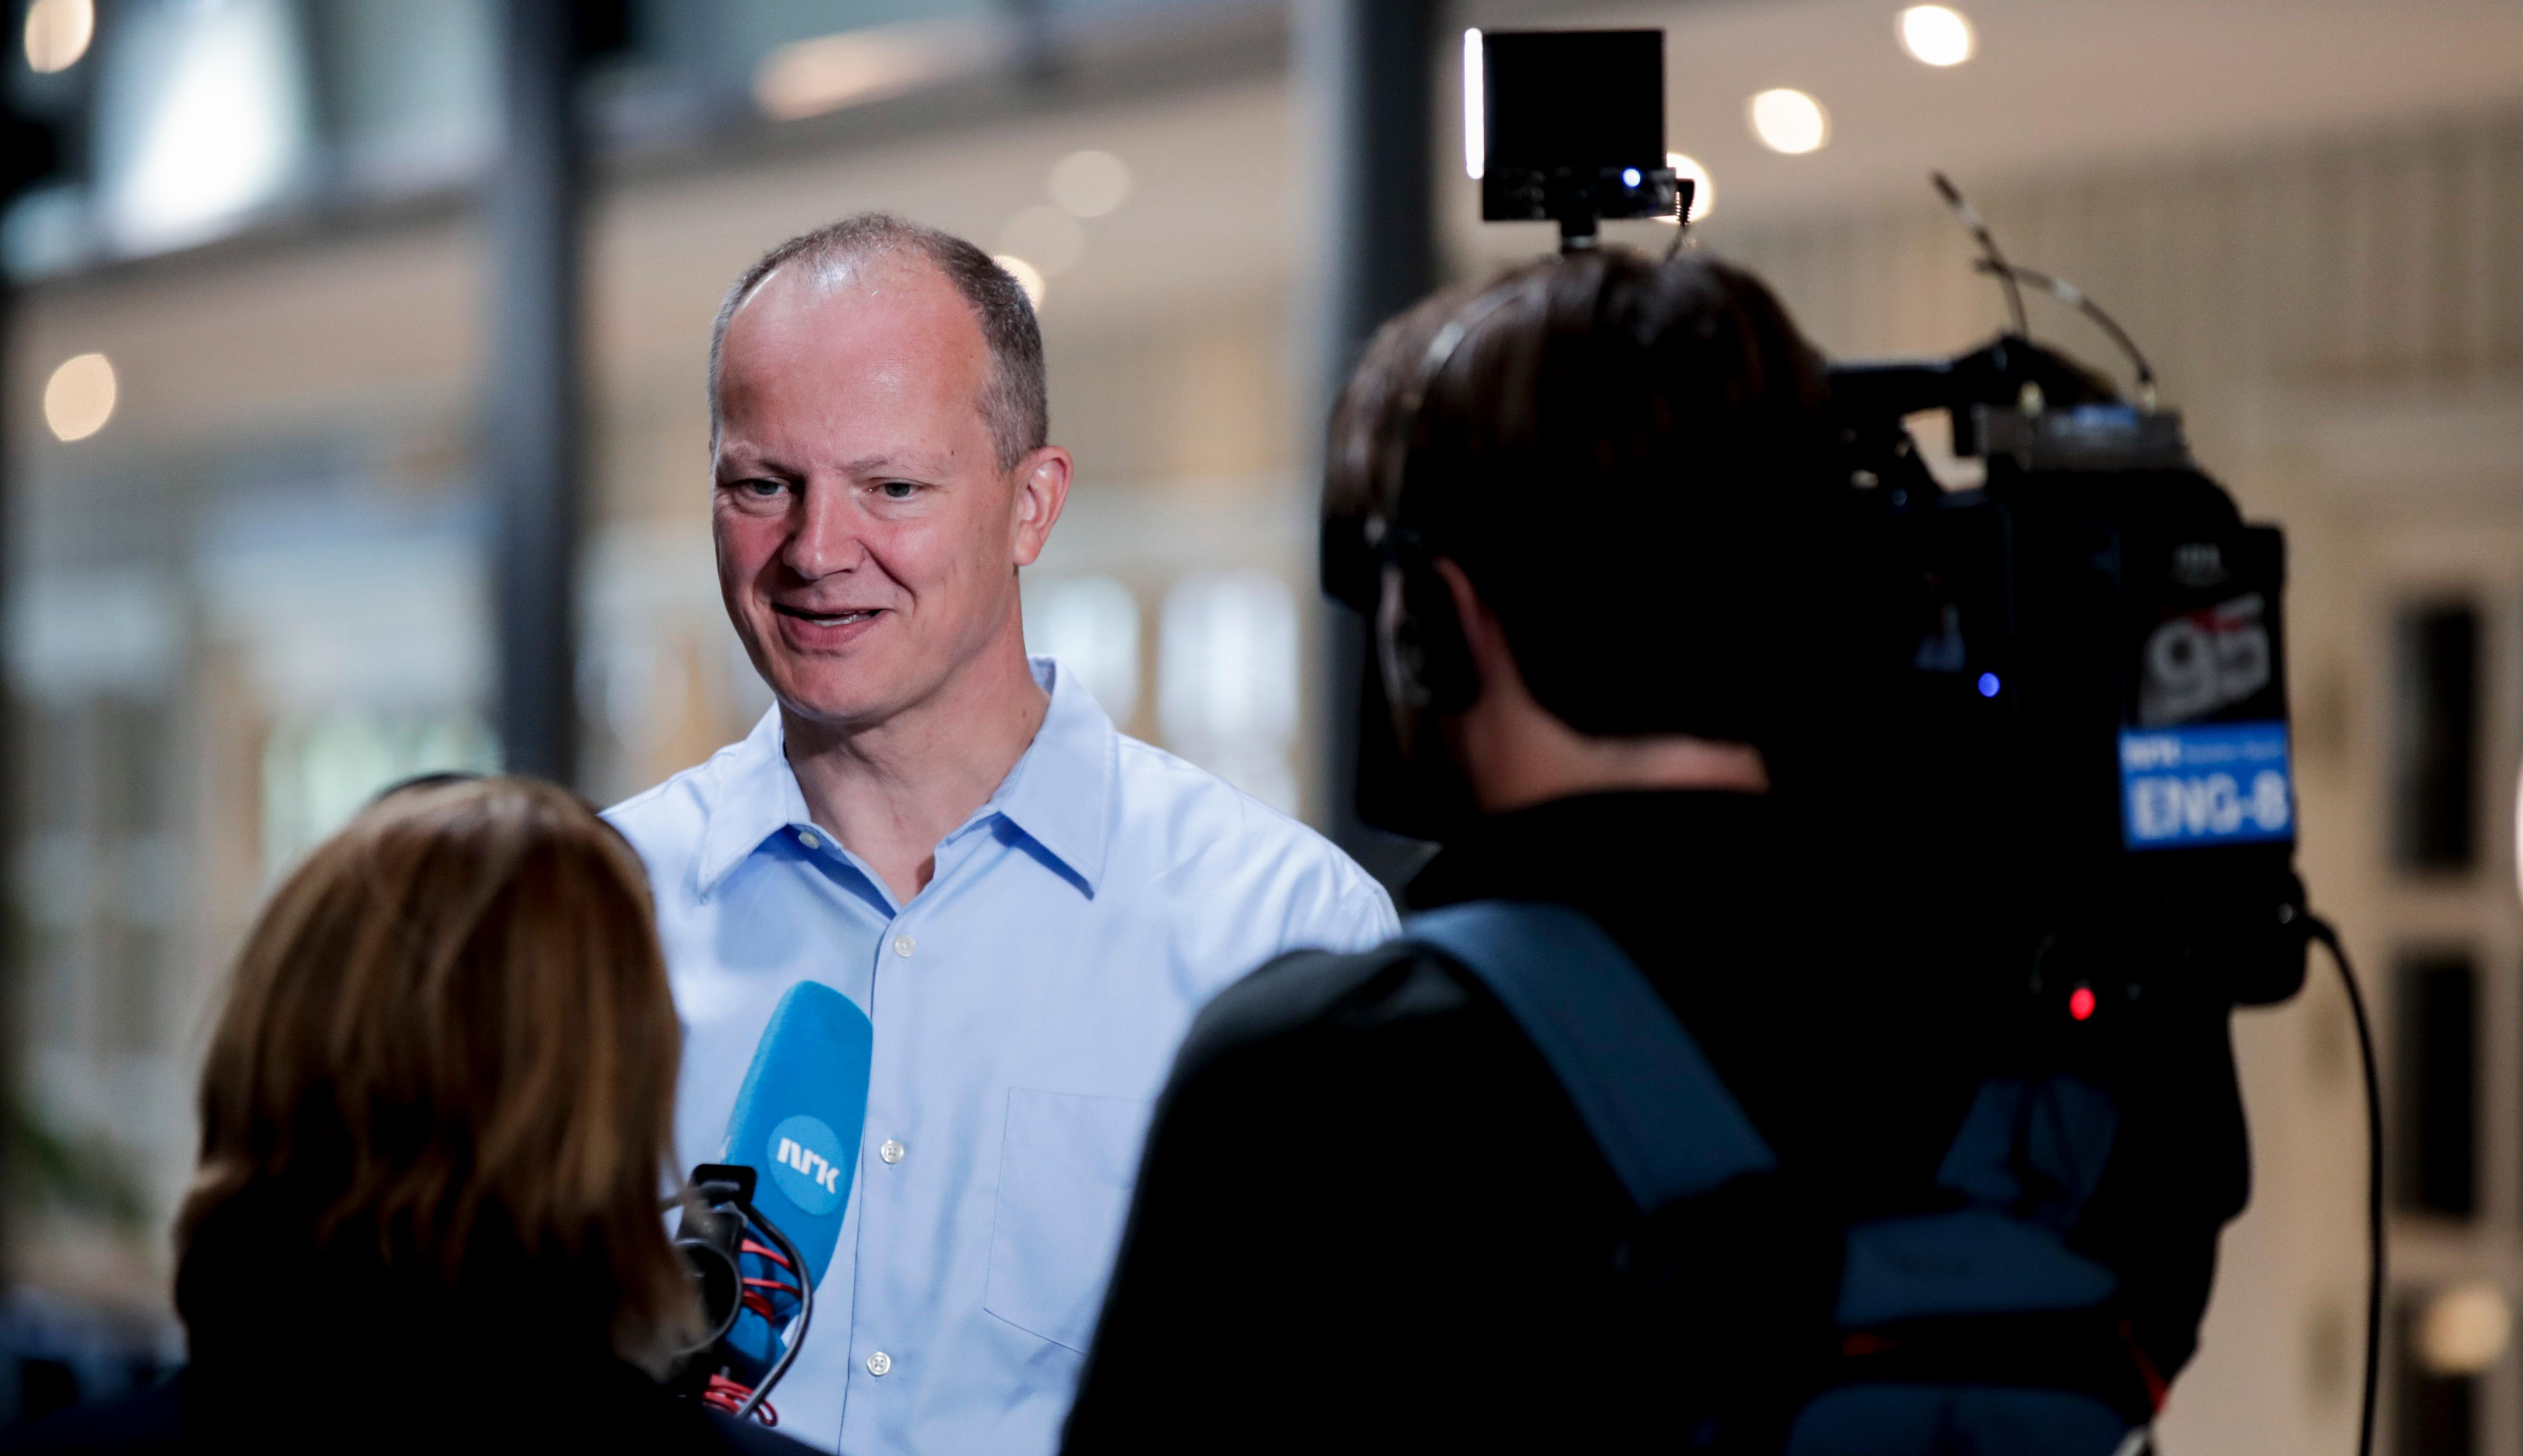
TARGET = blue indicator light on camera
x,y
1629,176
1988,684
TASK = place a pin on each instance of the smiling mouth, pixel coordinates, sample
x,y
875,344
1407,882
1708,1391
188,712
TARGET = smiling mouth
x,y
829,619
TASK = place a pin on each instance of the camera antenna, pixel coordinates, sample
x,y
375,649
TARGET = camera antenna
x,y
1992,261
2074,297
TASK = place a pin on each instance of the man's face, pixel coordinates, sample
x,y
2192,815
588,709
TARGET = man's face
x,y
868,542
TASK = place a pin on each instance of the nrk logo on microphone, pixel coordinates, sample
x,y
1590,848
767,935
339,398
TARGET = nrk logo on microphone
x,y
807,1161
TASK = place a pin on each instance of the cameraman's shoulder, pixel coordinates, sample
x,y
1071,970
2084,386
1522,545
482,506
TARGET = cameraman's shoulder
x,y
1313,1005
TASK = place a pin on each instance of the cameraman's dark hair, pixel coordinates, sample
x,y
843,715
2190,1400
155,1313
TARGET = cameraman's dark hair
x,y
1015,398
1613,450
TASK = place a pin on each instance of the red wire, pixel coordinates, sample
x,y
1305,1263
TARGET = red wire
x,y
727,1395
769,1254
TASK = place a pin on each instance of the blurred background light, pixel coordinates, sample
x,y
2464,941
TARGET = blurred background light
x,y
825,73
204,116
1476,118
1027,276
1936,34
1089,184
1046,237
58,32
79,397
2465,1329
1789,120
1703,192
1091,624
1228,681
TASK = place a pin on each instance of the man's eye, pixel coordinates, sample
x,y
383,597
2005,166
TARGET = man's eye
x,y
761,489
898,489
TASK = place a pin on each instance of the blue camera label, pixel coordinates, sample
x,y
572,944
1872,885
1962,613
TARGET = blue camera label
x,y
2214,783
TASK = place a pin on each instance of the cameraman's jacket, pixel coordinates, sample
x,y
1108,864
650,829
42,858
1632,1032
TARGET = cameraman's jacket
x,y
1369,1213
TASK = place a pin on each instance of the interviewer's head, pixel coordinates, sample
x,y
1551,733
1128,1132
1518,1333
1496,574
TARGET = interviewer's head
x,y
446,1059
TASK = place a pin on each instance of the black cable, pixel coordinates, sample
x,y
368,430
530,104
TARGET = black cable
x,y
2074,297
2323,932
805,1309
1971,218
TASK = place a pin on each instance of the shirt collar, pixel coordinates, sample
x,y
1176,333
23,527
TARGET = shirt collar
x,y
1059,794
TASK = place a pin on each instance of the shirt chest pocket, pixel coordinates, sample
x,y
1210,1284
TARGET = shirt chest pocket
x,y
1065,1171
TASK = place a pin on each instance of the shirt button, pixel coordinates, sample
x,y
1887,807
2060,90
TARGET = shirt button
x,y
809,839
879,1362
904,944
890,1151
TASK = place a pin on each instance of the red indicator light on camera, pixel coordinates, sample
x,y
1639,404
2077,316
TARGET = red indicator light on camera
x,y
2080,1003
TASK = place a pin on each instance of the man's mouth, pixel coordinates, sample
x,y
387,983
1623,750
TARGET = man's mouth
x,y
829,619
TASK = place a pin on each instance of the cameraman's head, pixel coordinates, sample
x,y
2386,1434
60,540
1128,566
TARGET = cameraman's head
x,y
1563,501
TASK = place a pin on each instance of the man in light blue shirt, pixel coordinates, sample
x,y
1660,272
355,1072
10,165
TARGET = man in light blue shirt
x,y
1028,906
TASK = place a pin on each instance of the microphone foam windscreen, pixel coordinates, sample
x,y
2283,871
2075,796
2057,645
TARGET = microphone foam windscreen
x,y
798,1117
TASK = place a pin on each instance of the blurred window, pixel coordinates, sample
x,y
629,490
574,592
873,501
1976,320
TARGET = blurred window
x,y
410,88
202,116
1091,624
2436,731
319,770
2438,1070
1228,680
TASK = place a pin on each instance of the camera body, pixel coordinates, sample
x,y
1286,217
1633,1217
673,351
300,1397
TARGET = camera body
x,y
2063,692
2081,669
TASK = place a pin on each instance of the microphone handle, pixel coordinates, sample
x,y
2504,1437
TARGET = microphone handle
x,y
805,1309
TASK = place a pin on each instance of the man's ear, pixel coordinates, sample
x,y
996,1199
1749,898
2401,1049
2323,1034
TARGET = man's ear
x,y
1041,492
1484,639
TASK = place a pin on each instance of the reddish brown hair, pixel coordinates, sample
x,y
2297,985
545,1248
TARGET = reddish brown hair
x,y
450,1033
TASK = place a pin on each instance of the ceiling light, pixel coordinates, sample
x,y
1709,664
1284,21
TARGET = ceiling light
x,y
826,73
1789,120
1089,184
79,397
1936,34
2465,1329
1047,237
1027,276
1703,192
58,32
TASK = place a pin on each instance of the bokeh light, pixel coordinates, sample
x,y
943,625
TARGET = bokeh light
x,y
1936,34
58,34
1027,276
79,397
1046,237
1789,120
1089,184
2465,1329
1703,194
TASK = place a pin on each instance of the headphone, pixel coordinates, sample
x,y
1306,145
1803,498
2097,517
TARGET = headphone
x,y
1420,650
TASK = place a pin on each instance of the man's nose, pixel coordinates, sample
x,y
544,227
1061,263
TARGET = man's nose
x,y
826,537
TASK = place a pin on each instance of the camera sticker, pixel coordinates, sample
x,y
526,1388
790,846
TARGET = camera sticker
x,y
2205,660
2214,783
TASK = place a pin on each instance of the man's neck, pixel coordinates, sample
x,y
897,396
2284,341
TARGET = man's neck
x,y
893,791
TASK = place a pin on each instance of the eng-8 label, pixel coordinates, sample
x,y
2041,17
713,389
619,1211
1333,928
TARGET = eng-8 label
x,y
2214,783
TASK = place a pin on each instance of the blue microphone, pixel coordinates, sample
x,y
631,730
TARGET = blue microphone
x,y
796,1126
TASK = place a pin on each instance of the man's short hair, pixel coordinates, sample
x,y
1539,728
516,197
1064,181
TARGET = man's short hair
x,y
1623,455
1013,400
